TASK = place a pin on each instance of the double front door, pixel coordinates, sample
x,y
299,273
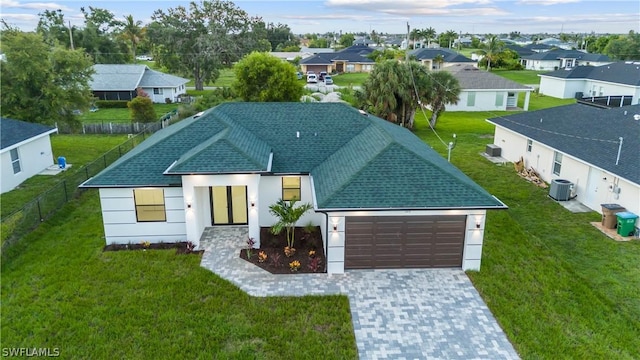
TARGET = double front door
x,y
228,205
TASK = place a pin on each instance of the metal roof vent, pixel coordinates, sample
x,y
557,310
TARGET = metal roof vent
x,y
362,112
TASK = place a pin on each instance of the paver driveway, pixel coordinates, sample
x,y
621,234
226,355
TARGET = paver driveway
x,y
397,314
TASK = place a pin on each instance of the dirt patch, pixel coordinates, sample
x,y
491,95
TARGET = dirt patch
x,y
309,252
181,247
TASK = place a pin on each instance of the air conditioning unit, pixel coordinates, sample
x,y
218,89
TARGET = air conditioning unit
x,y
560,189
493,150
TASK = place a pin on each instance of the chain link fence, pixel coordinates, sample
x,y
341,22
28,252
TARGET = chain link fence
x,y
19,223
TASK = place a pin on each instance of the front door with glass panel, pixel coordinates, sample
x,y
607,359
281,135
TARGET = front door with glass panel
x,y
228,205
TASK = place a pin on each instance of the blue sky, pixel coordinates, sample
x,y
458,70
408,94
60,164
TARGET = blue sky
x,y
472,16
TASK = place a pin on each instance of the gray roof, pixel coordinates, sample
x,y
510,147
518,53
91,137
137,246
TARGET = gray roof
x,y
588,133
15,131
356,161
354,53
627,73
448,55
126,77
566,54
470,77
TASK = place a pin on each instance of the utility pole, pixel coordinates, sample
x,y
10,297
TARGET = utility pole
x,y
407,50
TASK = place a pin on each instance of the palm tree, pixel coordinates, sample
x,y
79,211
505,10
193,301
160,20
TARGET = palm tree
x,y
450,35
288,215
133,32
429,33
438,60
491,48
388,91
444,89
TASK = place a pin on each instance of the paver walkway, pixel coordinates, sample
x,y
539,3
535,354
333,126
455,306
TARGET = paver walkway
x,y
397,314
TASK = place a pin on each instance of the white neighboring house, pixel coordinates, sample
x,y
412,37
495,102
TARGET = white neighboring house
x,y
615,79
580,143
381,196
26,151
484,91
120,81
562,59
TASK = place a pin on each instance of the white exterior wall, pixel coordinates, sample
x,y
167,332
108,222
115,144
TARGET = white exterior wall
x,y
542,64
608,88
593,186
35,155
122,227
170,93
561,88
271,192
472,250
485,101
196,192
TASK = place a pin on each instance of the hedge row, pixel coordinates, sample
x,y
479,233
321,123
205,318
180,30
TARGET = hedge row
x,y
111,104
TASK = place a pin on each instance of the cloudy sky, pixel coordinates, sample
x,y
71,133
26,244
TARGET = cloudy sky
x,y
466,16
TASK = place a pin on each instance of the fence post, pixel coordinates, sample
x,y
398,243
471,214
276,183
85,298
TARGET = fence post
x,y
104,157
64,186
119,151
86,171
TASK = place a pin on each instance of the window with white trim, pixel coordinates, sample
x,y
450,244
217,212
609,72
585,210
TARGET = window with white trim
x,y
15,160
149,205
557,162
157,91
529,145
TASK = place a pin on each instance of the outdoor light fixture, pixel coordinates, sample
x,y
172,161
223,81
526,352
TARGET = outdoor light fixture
x,y
478,224
253,204
188,204
335,227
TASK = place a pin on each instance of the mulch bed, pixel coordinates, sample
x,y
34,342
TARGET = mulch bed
x,y
181,247
276,261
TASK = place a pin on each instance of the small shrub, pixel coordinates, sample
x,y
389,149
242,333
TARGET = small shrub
x,y
168,100
145,244
142,110
111,104
276,260
312,253
289,251
314,264
190,246
294,265
249,249
309,228
262,256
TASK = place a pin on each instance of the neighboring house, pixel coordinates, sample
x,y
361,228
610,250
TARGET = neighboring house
x,y
484,91
290,56
615,79
351,59
537,48
429,58
120,82
25,151
381,196
579,143
561,59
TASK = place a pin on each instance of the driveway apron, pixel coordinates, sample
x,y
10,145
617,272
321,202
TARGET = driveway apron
x,y
396,314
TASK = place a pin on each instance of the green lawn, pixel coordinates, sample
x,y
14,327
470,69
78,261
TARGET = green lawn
x,y
350,79
122,115
525,77
558,287
467,51
79,150
60,290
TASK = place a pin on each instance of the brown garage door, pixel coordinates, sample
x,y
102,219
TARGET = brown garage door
x,y
379,242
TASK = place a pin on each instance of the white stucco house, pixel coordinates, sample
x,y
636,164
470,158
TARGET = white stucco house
x,y
121,81
615,79
596,149
440,58
382,197
562,59
25,151
484,91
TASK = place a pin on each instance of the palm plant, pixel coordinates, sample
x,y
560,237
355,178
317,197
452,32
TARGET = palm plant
x,y
132,32
430,34
491,48
444,89
288,214
388,91
439,60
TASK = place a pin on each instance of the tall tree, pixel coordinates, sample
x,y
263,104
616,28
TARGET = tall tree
x,y
99,37
132,32
280,36
51,26
199,41
491,48
347,40
447,38
264,77
443,89
624,48
42,83
429,34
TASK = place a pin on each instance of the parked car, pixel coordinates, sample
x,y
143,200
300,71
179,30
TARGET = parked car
x,y
309,72
312,78
322,75
144,58
328,80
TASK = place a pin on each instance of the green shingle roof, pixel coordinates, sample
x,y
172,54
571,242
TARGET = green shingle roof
x,y
356,161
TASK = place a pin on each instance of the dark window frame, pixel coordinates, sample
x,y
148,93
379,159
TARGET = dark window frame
x,y
15,161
